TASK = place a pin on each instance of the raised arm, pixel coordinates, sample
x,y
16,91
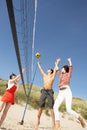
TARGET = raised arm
x,y
70,66
57,63
18,77
40,68
70,61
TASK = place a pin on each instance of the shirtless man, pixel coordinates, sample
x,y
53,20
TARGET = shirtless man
x,y
46,93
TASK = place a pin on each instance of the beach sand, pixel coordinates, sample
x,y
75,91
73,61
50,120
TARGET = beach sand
x,y
15,114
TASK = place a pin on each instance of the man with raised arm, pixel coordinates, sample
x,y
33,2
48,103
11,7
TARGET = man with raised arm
x,y
46,93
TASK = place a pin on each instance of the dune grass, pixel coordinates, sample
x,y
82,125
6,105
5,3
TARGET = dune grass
x,y
78,104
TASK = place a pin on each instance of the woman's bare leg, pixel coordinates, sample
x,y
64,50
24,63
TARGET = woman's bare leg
x,y
2,104
58,126
7,106
82,121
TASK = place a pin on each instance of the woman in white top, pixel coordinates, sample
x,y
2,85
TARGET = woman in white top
x,y
8,98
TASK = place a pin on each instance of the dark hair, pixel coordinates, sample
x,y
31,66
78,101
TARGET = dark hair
x,y
66,67
12,75
51,70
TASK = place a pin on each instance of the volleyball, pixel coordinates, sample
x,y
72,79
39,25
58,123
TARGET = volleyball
x,y
37,55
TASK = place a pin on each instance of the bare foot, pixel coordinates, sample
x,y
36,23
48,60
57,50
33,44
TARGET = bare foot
x,y
53,127
37,124
56,128
36,127
82,121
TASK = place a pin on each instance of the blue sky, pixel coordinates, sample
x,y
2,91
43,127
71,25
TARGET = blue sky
x,y
61,31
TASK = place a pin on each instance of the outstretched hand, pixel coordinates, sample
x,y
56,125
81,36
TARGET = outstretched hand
x,y
57,61
69,59
39,63
23,70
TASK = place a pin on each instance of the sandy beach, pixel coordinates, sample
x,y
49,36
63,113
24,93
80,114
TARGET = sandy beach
x,y
15,115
